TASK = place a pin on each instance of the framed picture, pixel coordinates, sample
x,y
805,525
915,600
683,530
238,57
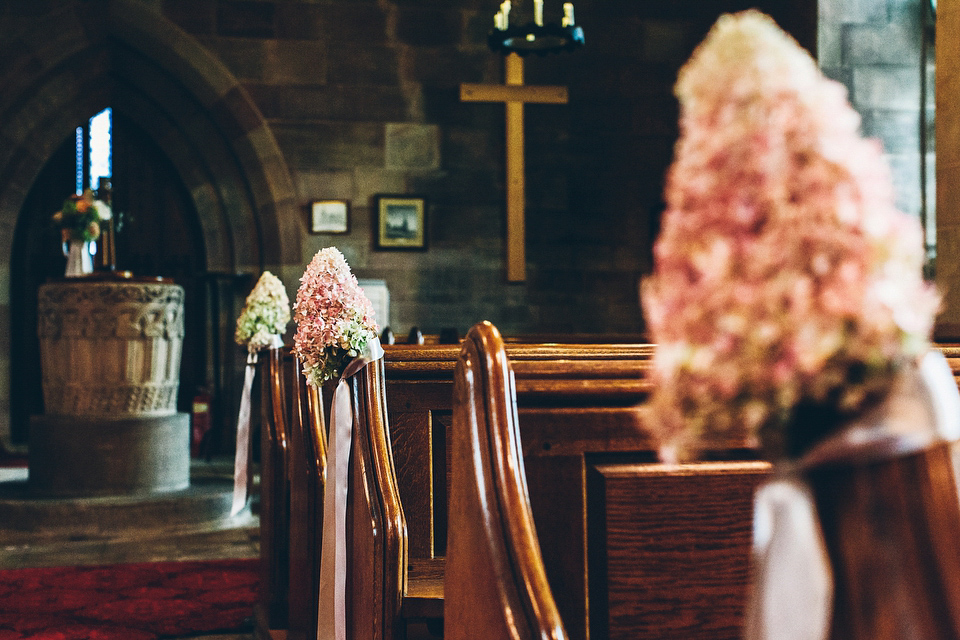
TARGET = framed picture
x,y
329,216
401,222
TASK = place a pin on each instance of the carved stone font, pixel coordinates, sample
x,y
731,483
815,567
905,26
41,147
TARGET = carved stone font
x,y
110,348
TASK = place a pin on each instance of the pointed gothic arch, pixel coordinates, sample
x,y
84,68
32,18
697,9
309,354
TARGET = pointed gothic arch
x,y
64,66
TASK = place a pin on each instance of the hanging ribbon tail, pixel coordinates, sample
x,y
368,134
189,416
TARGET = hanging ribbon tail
x,y
792,582
242,471
241,463
331,610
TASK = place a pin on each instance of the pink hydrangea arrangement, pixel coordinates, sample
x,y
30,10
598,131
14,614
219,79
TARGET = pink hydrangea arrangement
x,y
784,275
265,314
335,319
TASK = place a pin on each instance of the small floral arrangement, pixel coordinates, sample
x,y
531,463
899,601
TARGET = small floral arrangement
x,y
80,217
784,276
265,314
335,319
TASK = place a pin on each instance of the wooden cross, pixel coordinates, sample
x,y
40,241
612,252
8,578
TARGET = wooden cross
x,y
514,94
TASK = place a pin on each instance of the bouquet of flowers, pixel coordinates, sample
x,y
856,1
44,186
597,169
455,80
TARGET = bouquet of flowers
x,y
335,319
80,217
784,276
265,314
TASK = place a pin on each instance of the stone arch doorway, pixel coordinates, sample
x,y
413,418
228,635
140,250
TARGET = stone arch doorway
x,y
67,64
160,236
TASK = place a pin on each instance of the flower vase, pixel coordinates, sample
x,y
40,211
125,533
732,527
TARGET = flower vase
x,y
79,254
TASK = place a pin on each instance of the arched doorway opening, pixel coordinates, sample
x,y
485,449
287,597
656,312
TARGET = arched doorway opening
x,y
159,235
222,170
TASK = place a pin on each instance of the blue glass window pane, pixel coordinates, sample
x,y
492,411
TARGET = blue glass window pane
x,y
79,185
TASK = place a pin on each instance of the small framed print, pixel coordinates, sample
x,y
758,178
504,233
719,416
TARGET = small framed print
x,y
329,216
401,222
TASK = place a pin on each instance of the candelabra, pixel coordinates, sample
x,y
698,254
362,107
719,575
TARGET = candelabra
x,y
535,36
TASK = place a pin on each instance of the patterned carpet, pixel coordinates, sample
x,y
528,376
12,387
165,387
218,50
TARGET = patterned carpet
x,y
142,601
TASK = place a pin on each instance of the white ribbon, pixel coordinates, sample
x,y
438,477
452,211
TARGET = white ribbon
x,y
241,462
792,589
331,614
792,582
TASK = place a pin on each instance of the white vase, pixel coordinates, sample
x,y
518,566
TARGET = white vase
x,y
79,255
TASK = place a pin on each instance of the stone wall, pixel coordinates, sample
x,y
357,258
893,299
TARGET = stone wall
x,y
265,105
877,49
363,98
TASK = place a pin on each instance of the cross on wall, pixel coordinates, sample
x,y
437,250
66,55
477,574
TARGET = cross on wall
x,y
514,94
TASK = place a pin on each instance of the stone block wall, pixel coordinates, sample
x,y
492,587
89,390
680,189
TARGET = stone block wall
x,y
877,49
363,99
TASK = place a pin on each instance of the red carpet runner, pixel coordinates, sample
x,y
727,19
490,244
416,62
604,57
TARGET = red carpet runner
x,y
128,601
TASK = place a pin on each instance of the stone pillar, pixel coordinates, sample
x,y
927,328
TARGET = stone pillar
x,y
110,359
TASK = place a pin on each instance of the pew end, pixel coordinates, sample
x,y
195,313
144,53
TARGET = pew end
x,y
276,378
662,551
495,578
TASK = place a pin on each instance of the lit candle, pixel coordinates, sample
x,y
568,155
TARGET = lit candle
x,y
498,21
567,14
538,12
505,8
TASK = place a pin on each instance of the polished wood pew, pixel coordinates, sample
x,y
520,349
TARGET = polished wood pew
x,y
276,378
377,576
307,469
669,548
495,579
556,382
293,469
666,547
402,470
580,407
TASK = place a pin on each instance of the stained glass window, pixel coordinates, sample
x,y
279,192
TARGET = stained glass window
x,y
80,157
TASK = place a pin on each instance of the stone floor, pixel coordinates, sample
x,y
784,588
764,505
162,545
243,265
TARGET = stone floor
x,y
143,541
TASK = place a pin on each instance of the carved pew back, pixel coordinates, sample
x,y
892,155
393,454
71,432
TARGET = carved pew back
x,y
406,497
375,527
495,579
665,548
577,406
293,468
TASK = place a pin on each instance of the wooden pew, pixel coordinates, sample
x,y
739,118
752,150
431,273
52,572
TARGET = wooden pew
x,y
667,547
377,584
276,377
578,409
292,468
307,473
495,579
555,380
402,467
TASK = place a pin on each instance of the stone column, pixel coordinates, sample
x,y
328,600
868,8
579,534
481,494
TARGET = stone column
x,y
110,360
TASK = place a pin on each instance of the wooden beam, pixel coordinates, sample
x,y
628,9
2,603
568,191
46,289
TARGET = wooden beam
x,y
506,93
514,94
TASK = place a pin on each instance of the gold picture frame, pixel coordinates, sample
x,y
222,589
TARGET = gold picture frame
x,y
401,222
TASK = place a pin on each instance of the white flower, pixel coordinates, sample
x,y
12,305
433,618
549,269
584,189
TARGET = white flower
x,y
265,315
